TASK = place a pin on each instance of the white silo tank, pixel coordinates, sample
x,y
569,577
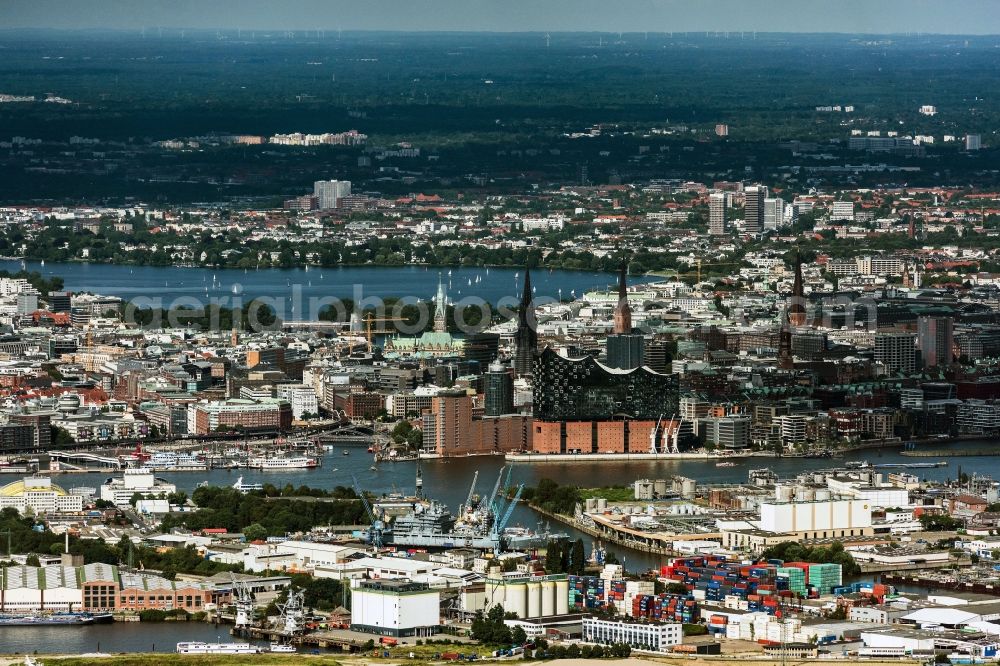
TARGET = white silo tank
x,y
590,504
805,493
783,493
534,600
822,494
562,597
660,487
687,488
602,504
548,598
517,600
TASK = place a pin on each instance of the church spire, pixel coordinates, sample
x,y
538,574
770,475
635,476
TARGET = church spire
x,y
623,313
526,336
797,307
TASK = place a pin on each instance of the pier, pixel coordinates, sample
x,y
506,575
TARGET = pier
x,y
950,453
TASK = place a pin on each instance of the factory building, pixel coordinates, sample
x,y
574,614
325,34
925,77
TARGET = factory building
x,y
395,608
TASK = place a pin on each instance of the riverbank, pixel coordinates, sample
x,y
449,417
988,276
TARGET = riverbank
x,y
618,457
945,453
612,537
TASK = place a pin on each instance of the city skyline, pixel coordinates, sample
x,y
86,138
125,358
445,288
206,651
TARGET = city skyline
x,y
963,17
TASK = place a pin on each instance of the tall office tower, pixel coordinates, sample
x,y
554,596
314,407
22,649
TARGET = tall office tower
x,y
440,308
797,307
656,355
327,192
754,215
526,336
774,213
897,351
623,313
626,350
499,391
717,213
935,340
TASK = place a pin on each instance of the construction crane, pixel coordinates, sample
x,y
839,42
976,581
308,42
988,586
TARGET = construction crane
x,y
378,525
699,263
369,331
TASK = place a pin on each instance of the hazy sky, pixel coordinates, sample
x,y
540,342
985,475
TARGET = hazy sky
x,y
873,16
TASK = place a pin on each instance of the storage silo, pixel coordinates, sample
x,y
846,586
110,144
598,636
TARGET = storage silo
x,y
517,599
602,504
534,600
687,488
660,487
562,597
548,598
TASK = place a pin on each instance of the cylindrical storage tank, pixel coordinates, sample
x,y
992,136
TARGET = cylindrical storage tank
x,y
687,488
822,494
562,597
660,487
534,600
517,600
590,504
548,598
602,504
819,478
783,493
805,494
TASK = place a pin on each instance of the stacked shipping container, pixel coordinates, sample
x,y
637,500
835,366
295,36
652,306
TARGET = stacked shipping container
x,y
764,586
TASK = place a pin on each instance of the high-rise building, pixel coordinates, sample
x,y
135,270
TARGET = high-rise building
x,y
626,350
481,348
717,213
584,389
774,213
327,192
935,339
526,336
973,142
754,210
656,355
499,391
582,406
60,301
843,211
897,351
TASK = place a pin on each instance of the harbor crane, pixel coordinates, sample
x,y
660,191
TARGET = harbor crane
x,y
500,522
472,491
375,532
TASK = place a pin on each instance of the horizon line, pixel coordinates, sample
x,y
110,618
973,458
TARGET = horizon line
x,y
457,31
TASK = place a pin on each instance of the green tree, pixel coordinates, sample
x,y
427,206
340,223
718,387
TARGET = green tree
x,y
255,532
577,558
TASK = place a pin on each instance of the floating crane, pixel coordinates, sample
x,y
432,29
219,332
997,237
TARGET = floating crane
x,y
378,525
244,603
293,613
